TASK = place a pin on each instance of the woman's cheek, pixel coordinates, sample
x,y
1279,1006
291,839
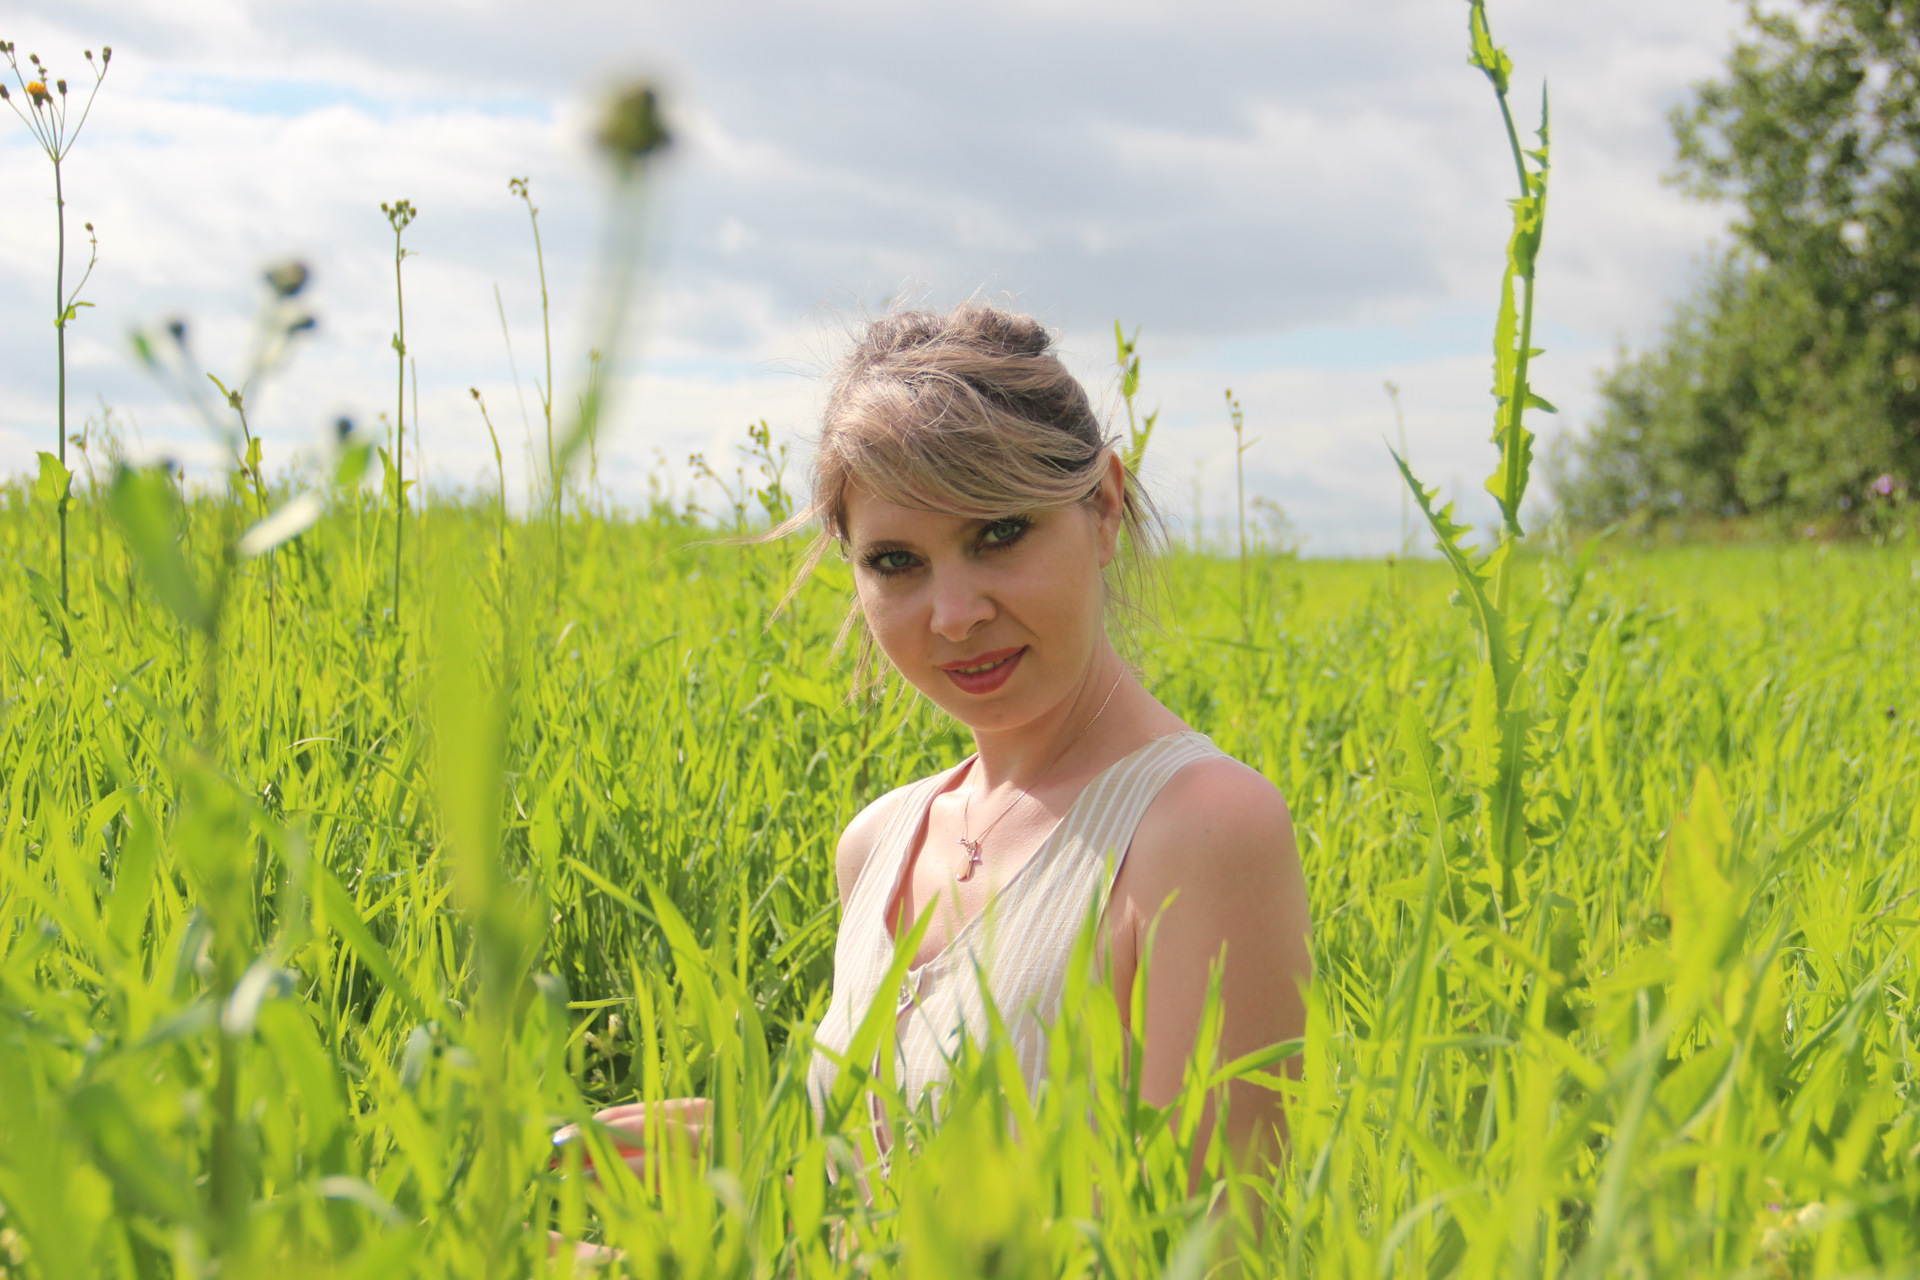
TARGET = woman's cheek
x,y
1055,611
889,623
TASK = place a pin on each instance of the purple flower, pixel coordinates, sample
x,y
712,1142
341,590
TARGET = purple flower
x,y
1883,486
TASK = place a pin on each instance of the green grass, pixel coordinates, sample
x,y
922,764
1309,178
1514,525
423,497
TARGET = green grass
x,y
280,1004
333,880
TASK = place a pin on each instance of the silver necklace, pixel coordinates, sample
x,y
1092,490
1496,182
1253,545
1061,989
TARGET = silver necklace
x,y
972,844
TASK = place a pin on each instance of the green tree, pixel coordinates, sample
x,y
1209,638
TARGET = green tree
x,y
1790,380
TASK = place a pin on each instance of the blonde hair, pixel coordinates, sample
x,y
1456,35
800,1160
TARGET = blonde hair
x,y
970,414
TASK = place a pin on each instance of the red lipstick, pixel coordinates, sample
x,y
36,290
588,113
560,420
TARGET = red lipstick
x,y
983,673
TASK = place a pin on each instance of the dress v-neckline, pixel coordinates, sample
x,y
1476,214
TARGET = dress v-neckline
x,y
905,859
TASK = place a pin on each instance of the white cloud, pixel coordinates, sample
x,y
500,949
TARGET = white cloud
x,y
1295,200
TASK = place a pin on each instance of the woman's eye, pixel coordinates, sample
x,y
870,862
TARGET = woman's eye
x,y
1000,533
890,561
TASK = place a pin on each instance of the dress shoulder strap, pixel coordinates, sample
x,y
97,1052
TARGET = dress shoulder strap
x,y
1074,872
1102,821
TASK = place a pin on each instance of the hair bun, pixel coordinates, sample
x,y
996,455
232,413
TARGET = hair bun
x,y
971,326
1000,331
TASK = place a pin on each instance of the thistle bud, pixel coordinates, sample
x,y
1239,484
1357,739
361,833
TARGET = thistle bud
x,y
37,92
89,228
61,85
632,129
34,58
89,55
106,54
474,392
4,95
288,278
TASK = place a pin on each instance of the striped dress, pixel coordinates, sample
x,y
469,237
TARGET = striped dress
x,y
1021,942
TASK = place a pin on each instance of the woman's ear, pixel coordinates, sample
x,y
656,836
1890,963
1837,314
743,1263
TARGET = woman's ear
x,y
1110,507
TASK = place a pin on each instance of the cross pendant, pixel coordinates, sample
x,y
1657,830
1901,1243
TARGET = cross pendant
x,y
973,859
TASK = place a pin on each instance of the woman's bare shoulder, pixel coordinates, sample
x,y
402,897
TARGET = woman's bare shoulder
x,y
862,835
1217,826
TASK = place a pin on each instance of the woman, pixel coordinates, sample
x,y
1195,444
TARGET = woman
x,y
963,474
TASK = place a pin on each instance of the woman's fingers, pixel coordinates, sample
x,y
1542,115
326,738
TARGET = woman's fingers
x,y
629,1118
685,1111
636,1122
593,1254
630,1126
624,1137
635,1160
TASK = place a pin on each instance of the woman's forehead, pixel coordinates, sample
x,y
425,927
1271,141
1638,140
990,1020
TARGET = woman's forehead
x,y
871,518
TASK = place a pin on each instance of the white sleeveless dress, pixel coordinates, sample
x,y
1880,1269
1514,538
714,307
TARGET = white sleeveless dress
x,y
1022,941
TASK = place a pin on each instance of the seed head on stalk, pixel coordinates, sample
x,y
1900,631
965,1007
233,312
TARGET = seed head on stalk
x,y
632,129
242,965
47,118
470,715
288,278
632,136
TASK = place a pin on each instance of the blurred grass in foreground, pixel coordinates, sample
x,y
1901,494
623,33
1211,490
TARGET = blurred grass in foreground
x,y
1697,1057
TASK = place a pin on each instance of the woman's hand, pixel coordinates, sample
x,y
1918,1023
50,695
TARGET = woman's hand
x,y
680,1123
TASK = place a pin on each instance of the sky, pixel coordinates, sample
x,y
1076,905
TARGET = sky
x,y
1295,201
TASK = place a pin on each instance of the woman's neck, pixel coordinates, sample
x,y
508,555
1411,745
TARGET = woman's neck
x,y
1024,755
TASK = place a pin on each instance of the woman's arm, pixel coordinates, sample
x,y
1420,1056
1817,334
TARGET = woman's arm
x,y
1214,863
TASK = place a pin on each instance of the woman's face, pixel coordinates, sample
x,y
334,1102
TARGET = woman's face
x,y
995,620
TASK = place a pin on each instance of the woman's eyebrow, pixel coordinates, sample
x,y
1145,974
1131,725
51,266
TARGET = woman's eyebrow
x,y
966,530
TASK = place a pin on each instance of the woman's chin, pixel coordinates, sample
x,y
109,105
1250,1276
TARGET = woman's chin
x,y
1007,708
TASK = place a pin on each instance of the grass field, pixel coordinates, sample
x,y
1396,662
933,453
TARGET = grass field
x,y
274,999
338,870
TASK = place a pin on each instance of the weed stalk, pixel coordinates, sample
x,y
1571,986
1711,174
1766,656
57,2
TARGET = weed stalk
x,y
399,215
555,479
46,118
1502,748
1240,446
499,469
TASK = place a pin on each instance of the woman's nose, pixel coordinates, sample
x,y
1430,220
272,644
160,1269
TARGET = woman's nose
x,y
959,605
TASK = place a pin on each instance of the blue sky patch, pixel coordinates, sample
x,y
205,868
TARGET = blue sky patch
x,y
289,98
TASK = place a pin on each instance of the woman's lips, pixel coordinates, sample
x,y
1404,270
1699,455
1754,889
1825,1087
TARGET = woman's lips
x,y
985,673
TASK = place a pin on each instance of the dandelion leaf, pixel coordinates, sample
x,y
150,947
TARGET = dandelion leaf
x,y
1473,574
